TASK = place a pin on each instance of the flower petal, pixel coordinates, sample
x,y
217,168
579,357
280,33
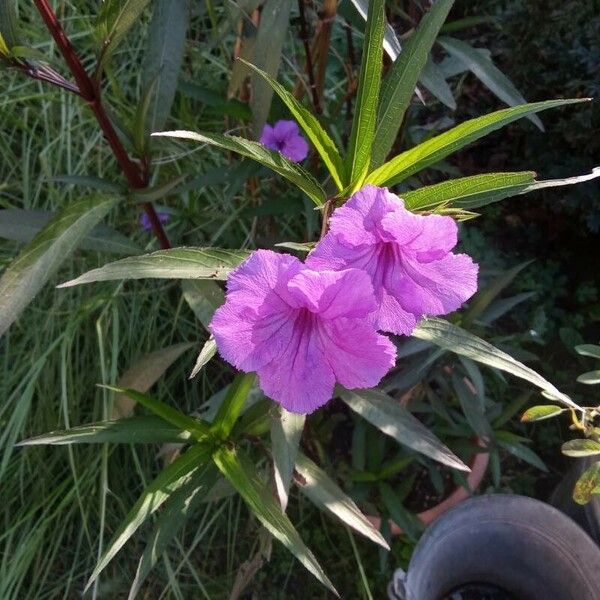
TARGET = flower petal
x,y
267,138
295,148
333,294
437,287
357,354
285,128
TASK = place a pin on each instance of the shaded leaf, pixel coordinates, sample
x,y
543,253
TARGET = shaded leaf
x,y
242,474
275,161
405,519
524,453
203,297
322,491
588,350
588,484
590,378
176,263
433,79
581,447
133,430
43,255
394,420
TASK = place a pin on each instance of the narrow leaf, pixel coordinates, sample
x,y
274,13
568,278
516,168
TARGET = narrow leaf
x,y
176,263
435,149
541,412
242,474
581,447
453,338
275,161
394,420
390,40
286,431
8,25
588,350
399,85
433,79
406,520
203,297
367,96
232,405
312,128
172,478
43,255
208,351
133,430
488,73
590,378
322,491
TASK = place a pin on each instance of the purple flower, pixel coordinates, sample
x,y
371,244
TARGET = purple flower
x,y
146,224
408,257
284,137
301,330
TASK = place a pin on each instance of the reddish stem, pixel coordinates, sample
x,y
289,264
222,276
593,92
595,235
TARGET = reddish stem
x,y
91,94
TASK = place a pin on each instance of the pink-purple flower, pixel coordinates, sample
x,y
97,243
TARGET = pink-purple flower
x,y
301,330
284,137
407,256
146,224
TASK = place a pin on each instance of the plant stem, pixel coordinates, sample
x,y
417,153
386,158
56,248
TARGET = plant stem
x,y
90,92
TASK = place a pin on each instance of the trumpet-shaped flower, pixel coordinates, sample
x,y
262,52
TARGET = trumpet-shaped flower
x,y
301,330
284,137
408,257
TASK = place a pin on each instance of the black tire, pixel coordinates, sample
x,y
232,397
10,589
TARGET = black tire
x,y
521,545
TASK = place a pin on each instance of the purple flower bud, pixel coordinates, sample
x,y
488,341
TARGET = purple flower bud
x,y
284,137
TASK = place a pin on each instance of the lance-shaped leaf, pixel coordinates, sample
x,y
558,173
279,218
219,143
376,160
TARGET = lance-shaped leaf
x,y
588,350
390,40
322,491
541,412
588,484
367,96
203,297
319,138
133,430
435,149
23,225
230,408
394,420
198,429
399,85
487,72
457,340
244,477
176,263
43,255
173,516
582,447
171,479
208,351
433,79
257,152
143,374
286,431
8,26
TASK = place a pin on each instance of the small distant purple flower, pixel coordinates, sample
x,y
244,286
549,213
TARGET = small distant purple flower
x,y
301,330
284,137
146,224
408,257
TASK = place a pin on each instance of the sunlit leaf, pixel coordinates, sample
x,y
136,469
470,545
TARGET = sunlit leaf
x,y
590,378
581,447
588,484
588,350
541,412
230,408
209,349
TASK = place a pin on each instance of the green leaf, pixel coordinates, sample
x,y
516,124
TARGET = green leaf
x,y
406,520
89,181
312,128
588,350
435,149
163,58
22,225
394,420
232,404
581,447
266,55
469,192
274,160
472,408
523,453
588,484
8,25
173,516
399,85
243,475
195,427
43,255
487,72
286,431
203,297
367,97
457,340
208,351
390,40
432,78
133,430
143,374
322,491
176,263
170,479
115,19
590,378
541,412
